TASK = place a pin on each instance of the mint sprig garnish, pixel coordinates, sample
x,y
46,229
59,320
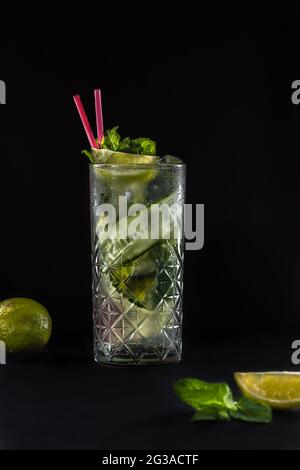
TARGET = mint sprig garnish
x,y
112,139
214,401
141,146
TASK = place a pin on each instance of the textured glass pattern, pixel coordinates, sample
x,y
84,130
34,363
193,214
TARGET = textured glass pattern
x,y
137,300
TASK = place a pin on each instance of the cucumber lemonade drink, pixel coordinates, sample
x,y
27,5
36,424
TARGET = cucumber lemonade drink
x,y
137,251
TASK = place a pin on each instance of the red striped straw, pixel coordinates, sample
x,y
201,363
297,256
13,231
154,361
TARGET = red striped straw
x,y
99,116
85,121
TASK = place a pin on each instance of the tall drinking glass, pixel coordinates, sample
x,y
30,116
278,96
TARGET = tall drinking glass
x,y
137,261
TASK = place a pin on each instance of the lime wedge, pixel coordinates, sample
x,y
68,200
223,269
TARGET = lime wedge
x,y
119,175
121,158
280,390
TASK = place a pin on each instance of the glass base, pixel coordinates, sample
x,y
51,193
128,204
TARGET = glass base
x,y
136,357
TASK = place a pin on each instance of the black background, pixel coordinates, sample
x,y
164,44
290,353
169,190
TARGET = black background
x,y
213,87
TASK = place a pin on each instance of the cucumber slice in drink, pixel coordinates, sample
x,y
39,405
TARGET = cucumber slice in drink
x,y
137,280
143,280
120,244
129,319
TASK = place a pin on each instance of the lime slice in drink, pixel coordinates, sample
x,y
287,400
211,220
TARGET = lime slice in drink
x,y
118,176
121,158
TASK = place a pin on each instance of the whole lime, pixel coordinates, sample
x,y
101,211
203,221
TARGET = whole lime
x,y
25,325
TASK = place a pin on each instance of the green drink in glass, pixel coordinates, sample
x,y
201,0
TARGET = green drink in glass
x,y
137,201
137,280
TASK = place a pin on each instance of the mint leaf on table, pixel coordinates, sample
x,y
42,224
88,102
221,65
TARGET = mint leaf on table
x,y
197,394
211,414
250,410
214,401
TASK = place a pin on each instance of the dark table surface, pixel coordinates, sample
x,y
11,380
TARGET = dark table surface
x,y
61,399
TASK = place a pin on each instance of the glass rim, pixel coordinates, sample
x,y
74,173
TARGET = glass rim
x,y
139,166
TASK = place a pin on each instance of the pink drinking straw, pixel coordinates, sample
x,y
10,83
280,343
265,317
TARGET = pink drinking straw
x,y
85,121
99,116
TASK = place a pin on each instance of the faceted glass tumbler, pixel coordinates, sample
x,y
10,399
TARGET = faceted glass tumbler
x,y
137,262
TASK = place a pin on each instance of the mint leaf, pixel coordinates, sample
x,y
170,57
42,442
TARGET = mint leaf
x,y
111,139
214,401
211,414
88,154
124,145
144,146
199,394
253,411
